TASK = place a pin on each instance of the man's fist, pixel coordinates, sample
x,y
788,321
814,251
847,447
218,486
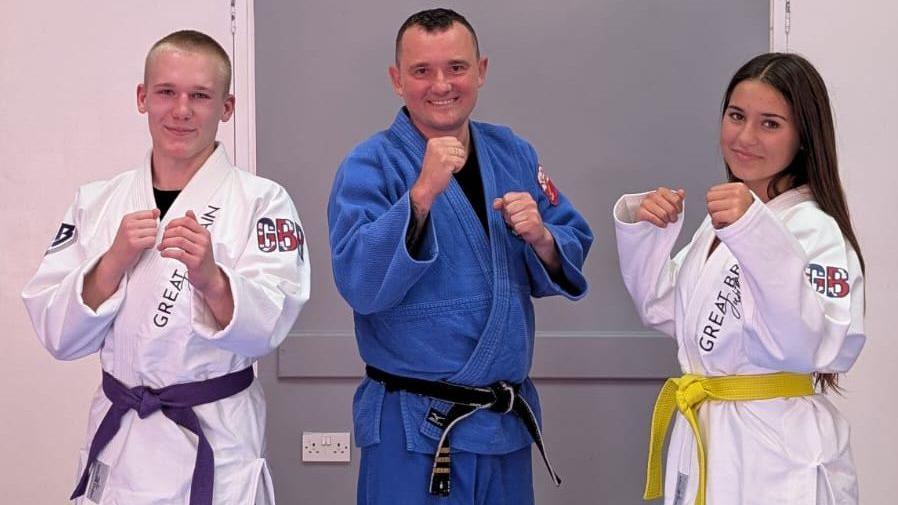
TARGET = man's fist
x,y
443,157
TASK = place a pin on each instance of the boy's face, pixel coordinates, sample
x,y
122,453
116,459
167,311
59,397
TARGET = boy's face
x,y
184,99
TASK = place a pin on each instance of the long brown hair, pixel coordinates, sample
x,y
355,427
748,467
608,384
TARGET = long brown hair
x,y
815,163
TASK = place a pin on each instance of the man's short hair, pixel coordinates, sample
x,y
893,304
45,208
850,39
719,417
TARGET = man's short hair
x,y
435,21
192,41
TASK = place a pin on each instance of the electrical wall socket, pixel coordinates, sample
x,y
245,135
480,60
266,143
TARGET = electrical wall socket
x,y
325,447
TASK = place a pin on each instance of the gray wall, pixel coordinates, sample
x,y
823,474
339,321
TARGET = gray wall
x,y
617,96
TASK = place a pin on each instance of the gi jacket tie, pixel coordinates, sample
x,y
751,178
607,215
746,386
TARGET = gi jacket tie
x,y
687,393
500,397
175,402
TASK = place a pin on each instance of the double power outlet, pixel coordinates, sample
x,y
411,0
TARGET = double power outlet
x,y
325,447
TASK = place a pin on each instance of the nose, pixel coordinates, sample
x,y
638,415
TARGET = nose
x,y
441,85
182,108
748,134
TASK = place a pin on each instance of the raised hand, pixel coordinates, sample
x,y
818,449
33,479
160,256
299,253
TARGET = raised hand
x,y
727,203
661,207
443,157
136,233
187,241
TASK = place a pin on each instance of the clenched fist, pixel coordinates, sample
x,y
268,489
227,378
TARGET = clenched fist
x,y
136,233
188,242
521,214
443,157
727,203
661,207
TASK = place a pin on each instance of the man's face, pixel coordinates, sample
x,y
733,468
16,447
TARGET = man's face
x,y
184,98
438,76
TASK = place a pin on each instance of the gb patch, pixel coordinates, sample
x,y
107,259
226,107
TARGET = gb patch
x,y
546,184
66,236
828,280
280,235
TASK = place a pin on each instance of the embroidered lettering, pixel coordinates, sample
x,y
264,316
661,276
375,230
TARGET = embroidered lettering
x,y
65,236
267,235
208,217
726,303
283,235
830,281
164,309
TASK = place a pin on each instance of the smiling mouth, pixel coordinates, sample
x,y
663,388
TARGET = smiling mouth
x,y
745,156
179,132
443,102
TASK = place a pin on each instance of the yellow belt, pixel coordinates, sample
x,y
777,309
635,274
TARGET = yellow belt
x,y
687,393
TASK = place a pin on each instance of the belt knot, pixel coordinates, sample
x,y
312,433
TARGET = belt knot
x,y
147,401
690,392
504,393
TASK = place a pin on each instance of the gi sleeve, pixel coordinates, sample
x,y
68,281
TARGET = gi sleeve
x,y
373,269
649,273
572,236
269,282
805,311
64,324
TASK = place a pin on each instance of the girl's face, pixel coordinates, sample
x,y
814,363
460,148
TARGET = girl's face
x,y
758,135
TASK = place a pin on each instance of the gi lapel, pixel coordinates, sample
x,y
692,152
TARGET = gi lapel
x,y
478,364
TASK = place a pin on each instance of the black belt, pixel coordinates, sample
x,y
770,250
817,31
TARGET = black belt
x,y
500,397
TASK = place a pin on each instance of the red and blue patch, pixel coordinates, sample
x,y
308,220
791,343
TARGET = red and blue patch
x,y
280,234
828,280
547,185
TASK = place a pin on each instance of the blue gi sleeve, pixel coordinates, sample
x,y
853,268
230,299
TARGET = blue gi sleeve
x,y
368,219
572,241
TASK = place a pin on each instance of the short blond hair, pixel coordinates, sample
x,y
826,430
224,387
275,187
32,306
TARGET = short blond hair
x,y
192,41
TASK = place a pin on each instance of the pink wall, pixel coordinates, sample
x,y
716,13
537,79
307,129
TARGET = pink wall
x,y
854,48
68,74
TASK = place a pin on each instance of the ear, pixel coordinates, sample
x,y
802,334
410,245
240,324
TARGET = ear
x,y
396,80
228,110
141,98
482,66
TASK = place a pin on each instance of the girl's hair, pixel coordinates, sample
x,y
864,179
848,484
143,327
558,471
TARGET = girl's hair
x,y
815,162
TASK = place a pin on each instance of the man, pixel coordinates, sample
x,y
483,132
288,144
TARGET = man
x,y
441,231
180,273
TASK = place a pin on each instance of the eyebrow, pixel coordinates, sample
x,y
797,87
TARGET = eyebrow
x,y
765,114
170,85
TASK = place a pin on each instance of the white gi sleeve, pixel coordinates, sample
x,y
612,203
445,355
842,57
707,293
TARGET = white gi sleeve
x,y
269,282
649,273
67,327
805,306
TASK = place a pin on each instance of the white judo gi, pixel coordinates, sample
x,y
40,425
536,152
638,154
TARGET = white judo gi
x,y
156,330
783,291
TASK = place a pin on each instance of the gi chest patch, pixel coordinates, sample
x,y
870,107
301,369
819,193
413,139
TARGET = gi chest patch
x,y
66,236
828,280
280,235
547,185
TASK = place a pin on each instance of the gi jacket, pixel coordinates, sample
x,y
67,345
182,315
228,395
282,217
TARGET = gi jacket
x,y
783,291
461,309
156,330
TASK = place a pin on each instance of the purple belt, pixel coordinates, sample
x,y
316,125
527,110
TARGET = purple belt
x,y
176,402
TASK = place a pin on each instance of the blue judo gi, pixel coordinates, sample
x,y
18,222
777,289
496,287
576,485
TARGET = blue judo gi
x,y
459,310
